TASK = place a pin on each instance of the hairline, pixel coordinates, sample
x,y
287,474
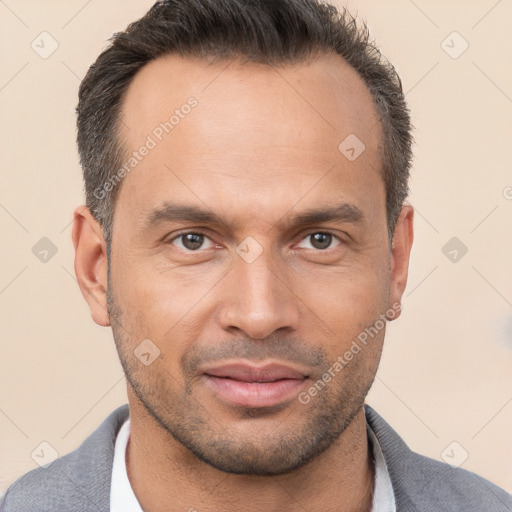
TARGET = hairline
x,y
120,143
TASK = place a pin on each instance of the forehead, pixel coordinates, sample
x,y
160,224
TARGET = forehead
x,y
324,92
252,128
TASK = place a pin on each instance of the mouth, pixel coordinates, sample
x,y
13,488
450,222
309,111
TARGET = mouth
x,y
253,386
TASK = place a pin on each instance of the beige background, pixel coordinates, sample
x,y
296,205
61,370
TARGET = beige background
x,y
446,370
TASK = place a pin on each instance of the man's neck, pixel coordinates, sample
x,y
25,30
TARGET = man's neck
x,y
165,475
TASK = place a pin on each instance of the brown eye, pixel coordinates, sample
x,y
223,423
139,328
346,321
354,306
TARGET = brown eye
x,y
190,241
320,240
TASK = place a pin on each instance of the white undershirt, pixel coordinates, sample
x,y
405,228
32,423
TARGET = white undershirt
x,y
123,499
383,495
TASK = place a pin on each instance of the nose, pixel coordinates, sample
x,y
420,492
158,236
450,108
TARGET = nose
x,y
258,300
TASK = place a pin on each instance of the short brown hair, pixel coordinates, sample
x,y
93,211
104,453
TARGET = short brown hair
x,y
268,31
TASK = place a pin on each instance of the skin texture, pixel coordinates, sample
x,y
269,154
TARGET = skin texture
x,y
260,147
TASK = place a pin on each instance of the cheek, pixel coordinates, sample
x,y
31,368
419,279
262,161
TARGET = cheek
x,y
343,303
351,292
164,305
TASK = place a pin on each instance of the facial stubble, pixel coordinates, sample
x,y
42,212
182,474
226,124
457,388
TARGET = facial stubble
x,y
299,432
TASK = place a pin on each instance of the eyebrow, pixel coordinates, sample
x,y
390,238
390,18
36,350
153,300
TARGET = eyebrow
x,y
176,212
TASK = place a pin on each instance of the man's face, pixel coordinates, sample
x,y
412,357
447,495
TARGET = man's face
x,y
249,308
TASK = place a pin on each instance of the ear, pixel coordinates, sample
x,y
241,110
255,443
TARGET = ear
x,y
402,243
91,263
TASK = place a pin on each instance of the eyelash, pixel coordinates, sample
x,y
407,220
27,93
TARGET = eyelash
x,y
203,233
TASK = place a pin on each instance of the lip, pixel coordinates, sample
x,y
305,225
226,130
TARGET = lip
x,y
254,386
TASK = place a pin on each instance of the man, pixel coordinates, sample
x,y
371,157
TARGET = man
x,y
245,236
